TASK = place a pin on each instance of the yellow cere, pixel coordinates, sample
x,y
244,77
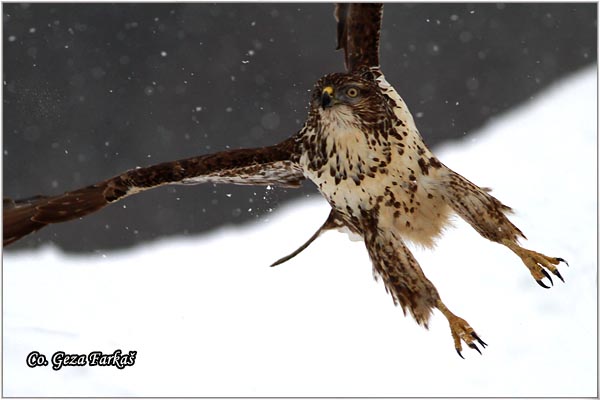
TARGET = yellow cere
x,y
328,90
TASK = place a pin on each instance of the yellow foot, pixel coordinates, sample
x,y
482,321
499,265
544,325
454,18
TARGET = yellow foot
x,y
461,331
536,262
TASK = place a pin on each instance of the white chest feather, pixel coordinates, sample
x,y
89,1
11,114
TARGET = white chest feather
x,y
393,174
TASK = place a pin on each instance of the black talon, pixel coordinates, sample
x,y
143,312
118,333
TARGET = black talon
x,y
548,276
474,346
542,284
559,276
461,356
481,342
562,260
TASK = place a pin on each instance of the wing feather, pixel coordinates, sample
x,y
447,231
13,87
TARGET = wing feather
x,y
274,165
358,31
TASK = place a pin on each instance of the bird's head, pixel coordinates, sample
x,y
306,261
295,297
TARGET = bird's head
x,y
346,99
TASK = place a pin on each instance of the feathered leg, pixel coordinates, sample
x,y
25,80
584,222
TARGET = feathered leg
x,y
487,215
409,287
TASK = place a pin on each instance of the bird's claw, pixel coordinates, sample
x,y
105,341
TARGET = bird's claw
x,y
474,346
542,284
537,263
555,271
461,331
562,260
481,342
559,275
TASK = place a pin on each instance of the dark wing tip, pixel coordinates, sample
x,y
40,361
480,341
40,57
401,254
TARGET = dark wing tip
x,y
22,217
17,219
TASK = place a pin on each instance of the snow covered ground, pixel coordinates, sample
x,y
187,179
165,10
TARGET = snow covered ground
x,y
208,317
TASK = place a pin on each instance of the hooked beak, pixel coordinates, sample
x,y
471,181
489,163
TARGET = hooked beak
x,y
326,97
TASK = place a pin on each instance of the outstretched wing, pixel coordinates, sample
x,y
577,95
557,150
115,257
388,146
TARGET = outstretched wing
x,y
358,29
274,165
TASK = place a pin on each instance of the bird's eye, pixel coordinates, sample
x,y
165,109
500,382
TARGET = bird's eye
x,y
352,92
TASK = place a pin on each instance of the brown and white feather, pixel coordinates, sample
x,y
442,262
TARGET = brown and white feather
x,y
275,165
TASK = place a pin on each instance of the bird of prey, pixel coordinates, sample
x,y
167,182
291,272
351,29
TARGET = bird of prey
x,y
361,148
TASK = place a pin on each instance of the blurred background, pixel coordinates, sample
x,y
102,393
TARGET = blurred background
x,y
91,90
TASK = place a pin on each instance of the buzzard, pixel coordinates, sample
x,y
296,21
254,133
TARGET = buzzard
x,y
362,149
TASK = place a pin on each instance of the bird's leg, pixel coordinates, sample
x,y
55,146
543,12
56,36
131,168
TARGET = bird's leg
x,y
536,262
405,281
331,223
487,215
461,330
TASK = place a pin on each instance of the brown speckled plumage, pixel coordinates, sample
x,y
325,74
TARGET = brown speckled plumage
x,y
274,165
362,149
